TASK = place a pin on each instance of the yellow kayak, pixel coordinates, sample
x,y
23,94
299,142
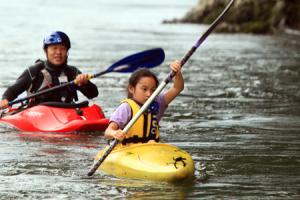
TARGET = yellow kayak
x,y
149,161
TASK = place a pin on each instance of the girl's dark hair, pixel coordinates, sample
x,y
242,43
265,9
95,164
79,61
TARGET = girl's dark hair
x,y
136,77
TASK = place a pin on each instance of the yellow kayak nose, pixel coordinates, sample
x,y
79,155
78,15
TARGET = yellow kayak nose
x,y
149,161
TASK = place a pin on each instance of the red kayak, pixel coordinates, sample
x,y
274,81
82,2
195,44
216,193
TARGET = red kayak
x,y
57,117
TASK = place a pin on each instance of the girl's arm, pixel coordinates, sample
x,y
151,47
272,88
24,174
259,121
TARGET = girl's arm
x,y
113,131
118,120
178,82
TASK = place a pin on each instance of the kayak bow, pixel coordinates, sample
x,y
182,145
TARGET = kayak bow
x,y
149,161
56,118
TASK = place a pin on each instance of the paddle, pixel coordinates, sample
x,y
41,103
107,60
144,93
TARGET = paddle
x,y
161,87
147,59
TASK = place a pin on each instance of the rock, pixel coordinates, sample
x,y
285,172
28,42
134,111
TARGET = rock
x,y
248,16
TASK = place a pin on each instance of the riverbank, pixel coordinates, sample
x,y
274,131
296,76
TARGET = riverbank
x,y
247,16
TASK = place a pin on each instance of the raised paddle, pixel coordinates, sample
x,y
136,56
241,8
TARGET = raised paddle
x,y
161,87
147,59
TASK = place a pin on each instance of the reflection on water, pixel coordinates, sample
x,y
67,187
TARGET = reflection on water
x,y
239,112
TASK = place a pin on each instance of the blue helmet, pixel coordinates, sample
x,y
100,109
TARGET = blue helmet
x,y
57,37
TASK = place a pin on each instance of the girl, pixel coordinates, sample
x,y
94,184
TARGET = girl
x,y
142,84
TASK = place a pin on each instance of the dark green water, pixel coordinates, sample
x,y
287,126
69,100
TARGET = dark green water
x,y
239,112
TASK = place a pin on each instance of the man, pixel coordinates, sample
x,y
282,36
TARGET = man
x,y
54,71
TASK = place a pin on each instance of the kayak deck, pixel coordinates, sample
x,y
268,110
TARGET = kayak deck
x,y
42,118
149,161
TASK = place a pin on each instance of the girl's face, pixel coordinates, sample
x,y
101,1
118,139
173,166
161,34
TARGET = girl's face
x,y
143,89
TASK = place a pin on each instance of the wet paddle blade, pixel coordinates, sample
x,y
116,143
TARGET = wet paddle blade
x,y
145,59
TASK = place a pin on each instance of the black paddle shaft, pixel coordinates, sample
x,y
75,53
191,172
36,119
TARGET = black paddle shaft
x,y
148,58
200,40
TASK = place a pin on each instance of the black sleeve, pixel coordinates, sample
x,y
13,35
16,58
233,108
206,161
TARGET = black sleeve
x,y
89,90
21,85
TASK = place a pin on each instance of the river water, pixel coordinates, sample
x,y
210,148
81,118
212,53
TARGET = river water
x,y
239,112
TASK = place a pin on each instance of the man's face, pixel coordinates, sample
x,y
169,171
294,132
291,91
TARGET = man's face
x,y
56,54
